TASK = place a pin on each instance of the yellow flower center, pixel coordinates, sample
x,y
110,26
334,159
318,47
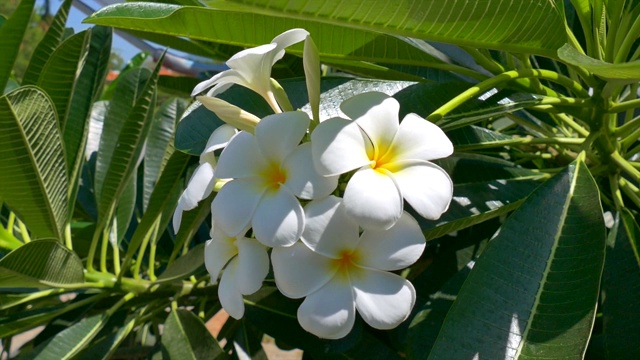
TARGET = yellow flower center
x,y
345,263
274,176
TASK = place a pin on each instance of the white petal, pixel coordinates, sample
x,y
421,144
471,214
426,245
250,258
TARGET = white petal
x,y
241,158
220,82
235,203
299,271
217,253
253,265
418,138
230,297
230,114
277,135
377,114
199,187
287,39
278,219
338,146
220,137
311,63
393,249
373,199
384,300
329,312
328,230
426,187
254,65
303,179
177,217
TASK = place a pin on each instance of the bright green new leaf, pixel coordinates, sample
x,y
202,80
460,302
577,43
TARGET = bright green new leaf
x,y
33,176
226,25
621,289
525,26
42,263
11,34
186,338
533,291
625,71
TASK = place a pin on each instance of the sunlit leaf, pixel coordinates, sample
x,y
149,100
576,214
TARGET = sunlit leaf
x,y
42,263
11,34
533,291
33,176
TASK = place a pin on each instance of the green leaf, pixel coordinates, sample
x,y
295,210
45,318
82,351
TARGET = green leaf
x,y
126,147
526,26
624,71
186,338
104,349
58,76
163,199
533,291
621,288
47,45
42,263
126,208
160,143
86,91
177,85
184,266
11,34
474,203
224,24
69,342
33,177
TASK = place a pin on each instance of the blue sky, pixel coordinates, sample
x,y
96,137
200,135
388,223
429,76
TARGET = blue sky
x,y
120,46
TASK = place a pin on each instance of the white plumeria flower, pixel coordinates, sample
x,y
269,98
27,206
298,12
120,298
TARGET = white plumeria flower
x,y
245,262
392,159
269,169
203,179
340,272
251,68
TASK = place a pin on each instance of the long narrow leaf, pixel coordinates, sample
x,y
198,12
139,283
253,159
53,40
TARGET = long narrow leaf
x,y
533,291
11,34
33,177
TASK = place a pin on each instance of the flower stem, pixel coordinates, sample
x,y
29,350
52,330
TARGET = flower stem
x,y
625,166
24,232
67,237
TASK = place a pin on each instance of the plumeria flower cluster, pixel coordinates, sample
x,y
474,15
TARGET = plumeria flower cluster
x,y
324,207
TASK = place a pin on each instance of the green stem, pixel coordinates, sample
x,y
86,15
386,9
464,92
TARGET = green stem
x,y
24,232
116,258
92,250
8,241
67,237
488,84
631,191
624,165
615,191
624,106
572,124
143,248
152,261
103,250
11,222
120,302
521,141
630,139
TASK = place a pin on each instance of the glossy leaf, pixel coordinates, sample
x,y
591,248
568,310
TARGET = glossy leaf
x,y
104,348
186,338
42,263
477,202
533,291
625,71
33,176
621,288
526,26
184,266
225,24
11,34
47,45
